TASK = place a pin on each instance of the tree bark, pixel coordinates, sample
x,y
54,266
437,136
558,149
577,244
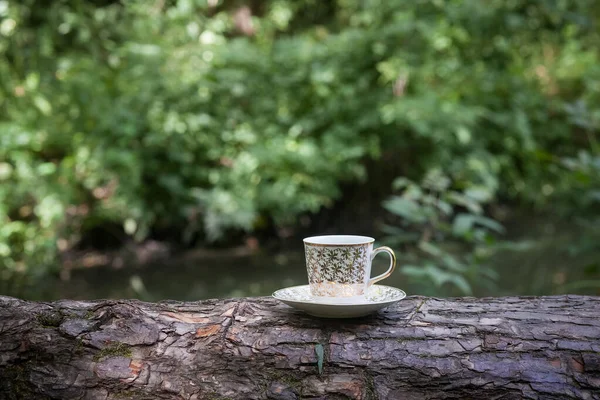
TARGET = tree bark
x,y
420,348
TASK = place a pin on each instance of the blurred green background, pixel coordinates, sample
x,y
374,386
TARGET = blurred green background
x,y
182,148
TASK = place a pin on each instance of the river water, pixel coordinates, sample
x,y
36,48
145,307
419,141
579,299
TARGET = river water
x,y
543,258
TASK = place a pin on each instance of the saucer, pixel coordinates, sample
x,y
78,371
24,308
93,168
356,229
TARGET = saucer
x,y
376,298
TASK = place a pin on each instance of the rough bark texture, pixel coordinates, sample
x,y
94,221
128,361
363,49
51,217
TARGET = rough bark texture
x,y
420,348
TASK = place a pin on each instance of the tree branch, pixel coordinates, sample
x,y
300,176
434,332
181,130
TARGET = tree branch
x,y
420,348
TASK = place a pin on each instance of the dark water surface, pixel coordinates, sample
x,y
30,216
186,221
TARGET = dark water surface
x,y
542,258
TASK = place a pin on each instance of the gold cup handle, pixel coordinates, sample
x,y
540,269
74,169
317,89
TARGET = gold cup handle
x,y
387,273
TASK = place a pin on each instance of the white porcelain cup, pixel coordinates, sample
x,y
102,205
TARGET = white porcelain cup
x,y
339,266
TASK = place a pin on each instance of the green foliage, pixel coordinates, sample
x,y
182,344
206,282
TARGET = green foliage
x,y
320,354
585,180
165,116
444,234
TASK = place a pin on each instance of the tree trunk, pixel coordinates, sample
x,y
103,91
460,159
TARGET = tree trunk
x,y
420,348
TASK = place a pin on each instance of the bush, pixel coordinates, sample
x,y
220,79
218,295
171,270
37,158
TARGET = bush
x,y
168,117
446,237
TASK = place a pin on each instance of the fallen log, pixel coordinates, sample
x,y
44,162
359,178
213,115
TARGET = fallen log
x,y
258,348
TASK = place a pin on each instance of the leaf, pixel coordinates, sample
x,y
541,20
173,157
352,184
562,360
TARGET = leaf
x,y
523,128
436,274
405,208
453,263
489,223
438,277
32,81
319,352
594,195
5,170
400,183
461,283
465,201
436,181
490,273
430,248
444,207
130,226
45,169
479,193
42,104
463,223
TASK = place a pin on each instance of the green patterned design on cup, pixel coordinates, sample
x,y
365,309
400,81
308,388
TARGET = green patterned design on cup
x,y
338,271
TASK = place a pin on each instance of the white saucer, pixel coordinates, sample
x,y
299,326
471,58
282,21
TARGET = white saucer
x,y
377,297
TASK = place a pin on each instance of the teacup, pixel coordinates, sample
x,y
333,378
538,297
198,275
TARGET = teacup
x,y
339,266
